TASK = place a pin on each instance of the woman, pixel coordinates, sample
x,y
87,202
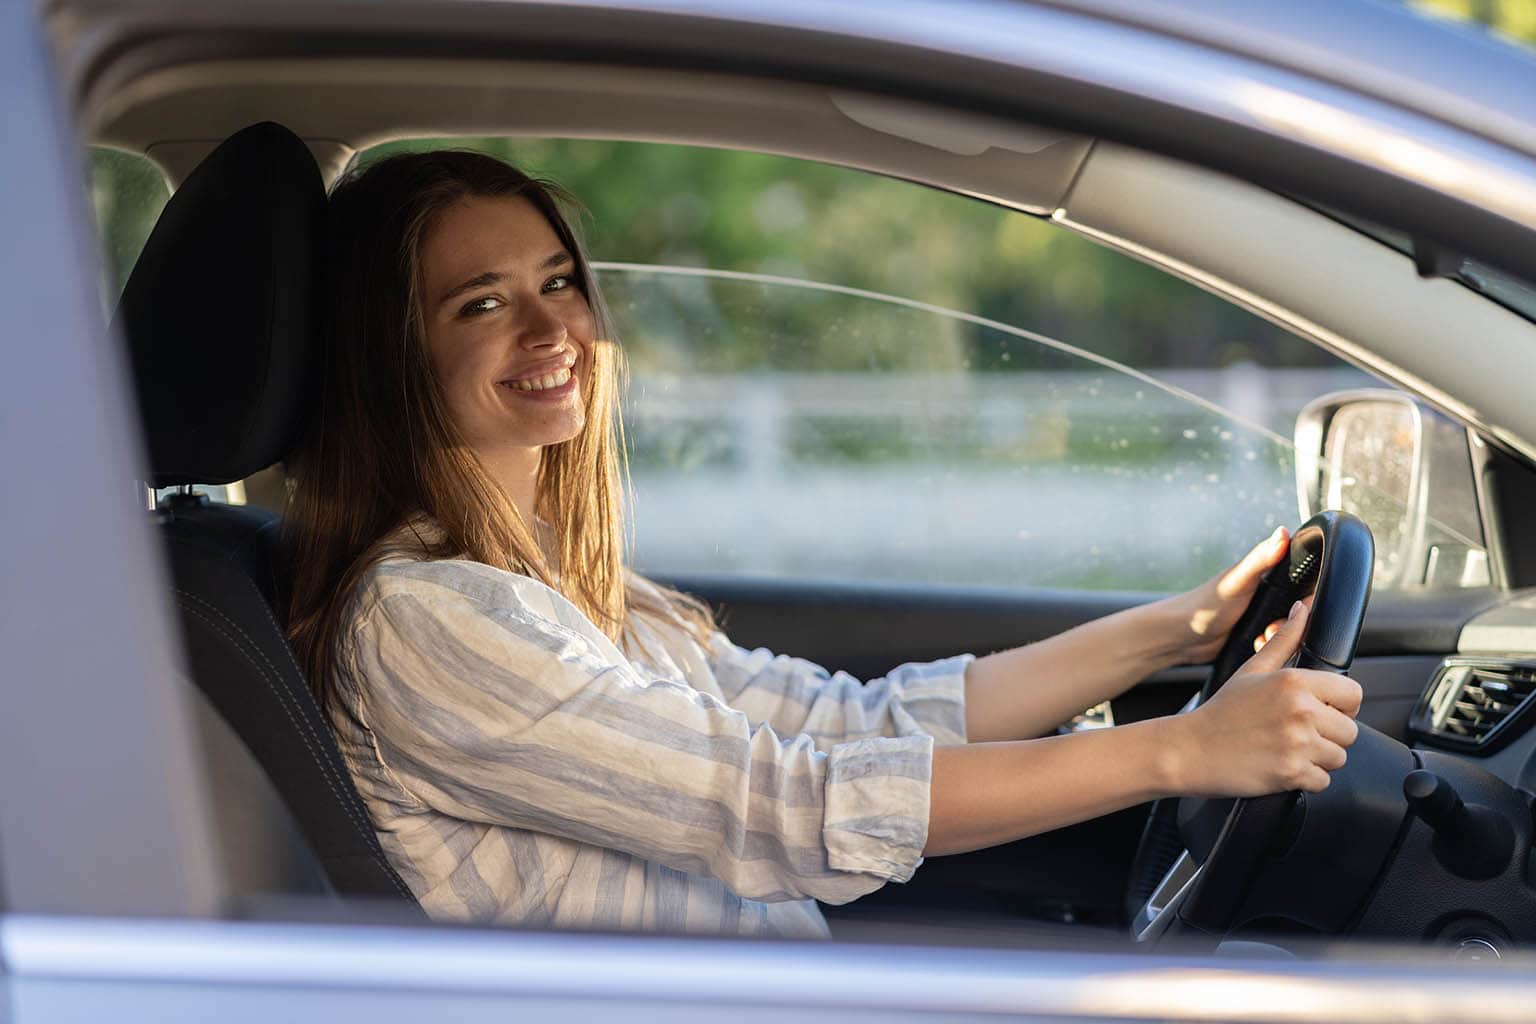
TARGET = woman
x,y
543,737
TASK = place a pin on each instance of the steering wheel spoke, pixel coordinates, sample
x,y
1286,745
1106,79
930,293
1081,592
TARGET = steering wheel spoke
x,y
1163,905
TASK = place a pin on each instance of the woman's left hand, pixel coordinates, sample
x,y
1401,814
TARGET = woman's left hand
x,y
1205,615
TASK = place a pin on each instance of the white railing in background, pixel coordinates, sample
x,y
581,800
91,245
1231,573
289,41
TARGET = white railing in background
x,y
721,485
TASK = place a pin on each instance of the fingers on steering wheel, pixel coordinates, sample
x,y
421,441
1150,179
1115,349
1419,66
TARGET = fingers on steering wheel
x,y
1268,635
1340,692
1336,727
1328,756
1314,780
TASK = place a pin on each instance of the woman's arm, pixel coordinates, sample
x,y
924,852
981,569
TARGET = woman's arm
x,y
1269,729
488,697
793,696
1027,691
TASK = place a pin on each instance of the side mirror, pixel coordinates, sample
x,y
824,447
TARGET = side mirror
x,y
1404,469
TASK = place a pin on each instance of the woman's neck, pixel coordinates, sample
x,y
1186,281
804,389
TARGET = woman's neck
x,y
517,471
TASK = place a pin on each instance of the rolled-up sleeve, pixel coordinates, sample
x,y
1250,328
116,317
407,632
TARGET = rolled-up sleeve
x,y
489,697
798,696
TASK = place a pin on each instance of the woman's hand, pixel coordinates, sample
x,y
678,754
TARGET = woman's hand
x,y
1204,616
1270,728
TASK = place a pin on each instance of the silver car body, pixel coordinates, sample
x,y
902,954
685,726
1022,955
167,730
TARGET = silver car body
x,y
115,895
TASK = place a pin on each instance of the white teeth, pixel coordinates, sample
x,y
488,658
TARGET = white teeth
x,y
549,380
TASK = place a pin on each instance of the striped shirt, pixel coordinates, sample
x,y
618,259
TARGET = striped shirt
x,y
520,769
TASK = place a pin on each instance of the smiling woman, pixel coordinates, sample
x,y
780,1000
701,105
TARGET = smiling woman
x,y
477,281
541,736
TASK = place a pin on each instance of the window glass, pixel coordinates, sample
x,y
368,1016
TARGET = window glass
x,y
127,192
880,451
840,376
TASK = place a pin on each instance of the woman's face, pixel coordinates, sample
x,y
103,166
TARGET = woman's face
x,y
508,329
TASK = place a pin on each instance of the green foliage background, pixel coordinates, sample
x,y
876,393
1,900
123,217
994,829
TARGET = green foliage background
x,y
1513,19
728,210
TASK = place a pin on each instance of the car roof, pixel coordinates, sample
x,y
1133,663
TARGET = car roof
x,y
1462,75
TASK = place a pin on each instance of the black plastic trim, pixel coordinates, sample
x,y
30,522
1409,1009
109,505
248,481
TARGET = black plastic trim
x,y
857,626
1509,486
1515,725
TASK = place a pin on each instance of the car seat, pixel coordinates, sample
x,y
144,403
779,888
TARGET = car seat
x,y
220,317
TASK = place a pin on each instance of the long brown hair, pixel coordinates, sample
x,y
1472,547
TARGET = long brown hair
x,y
381,449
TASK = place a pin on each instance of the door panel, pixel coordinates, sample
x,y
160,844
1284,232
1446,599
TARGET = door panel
x,y
1077,873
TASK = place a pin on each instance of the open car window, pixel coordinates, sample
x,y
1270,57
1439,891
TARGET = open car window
x,y
839,376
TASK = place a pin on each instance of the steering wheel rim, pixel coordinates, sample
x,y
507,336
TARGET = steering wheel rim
x,y
1333,556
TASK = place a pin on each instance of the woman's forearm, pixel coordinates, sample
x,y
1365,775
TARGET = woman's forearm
x,y
1027,691
1270,728
983,794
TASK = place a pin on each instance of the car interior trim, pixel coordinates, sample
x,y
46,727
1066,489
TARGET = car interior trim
x,y
1504,628
1143,204
1224,108
1029,166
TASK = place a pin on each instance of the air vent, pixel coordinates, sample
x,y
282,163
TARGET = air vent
x,y
1475,706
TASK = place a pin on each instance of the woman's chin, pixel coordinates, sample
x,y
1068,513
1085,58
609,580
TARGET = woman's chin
x,y
553,433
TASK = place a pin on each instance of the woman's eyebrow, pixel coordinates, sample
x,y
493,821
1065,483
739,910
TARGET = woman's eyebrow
x,y
552,261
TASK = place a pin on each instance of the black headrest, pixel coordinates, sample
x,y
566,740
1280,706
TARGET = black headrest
x,y
219,311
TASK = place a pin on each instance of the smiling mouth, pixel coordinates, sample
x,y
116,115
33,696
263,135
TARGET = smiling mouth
x,y
553,379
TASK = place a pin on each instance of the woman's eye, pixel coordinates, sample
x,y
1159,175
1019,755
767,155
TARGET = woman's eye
x,y
484,305
560,282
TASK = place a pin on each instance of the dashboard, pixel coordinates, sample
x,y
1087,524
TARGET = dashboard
x,y
1478,702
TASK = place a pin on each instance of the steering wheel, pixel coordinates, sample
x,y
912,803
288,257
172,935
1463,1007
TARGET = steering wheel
x,y
1199,857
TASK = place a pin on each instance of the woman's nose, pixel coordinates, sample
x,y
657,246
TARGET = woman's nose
x,y
541,327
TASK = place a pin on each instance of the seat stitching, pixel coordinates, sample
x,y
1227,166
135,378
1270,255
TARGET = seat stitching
x,y
225,554
260,599
306,732
228,552
325,769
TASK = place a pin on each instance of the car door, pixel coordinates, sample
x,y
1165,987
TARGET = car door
x,y
103,721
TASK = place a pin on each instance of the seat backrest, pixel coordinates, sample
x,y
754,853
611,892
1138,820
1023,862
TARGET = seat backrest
x,y
219,314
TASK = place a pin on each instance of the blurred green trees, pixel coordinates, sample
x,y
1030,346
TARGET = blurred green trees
x,y
127,192
729,210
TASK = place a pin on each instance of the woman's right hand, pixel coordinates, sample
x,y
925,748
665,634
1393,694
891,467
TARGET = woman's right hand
x,y
1269,728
